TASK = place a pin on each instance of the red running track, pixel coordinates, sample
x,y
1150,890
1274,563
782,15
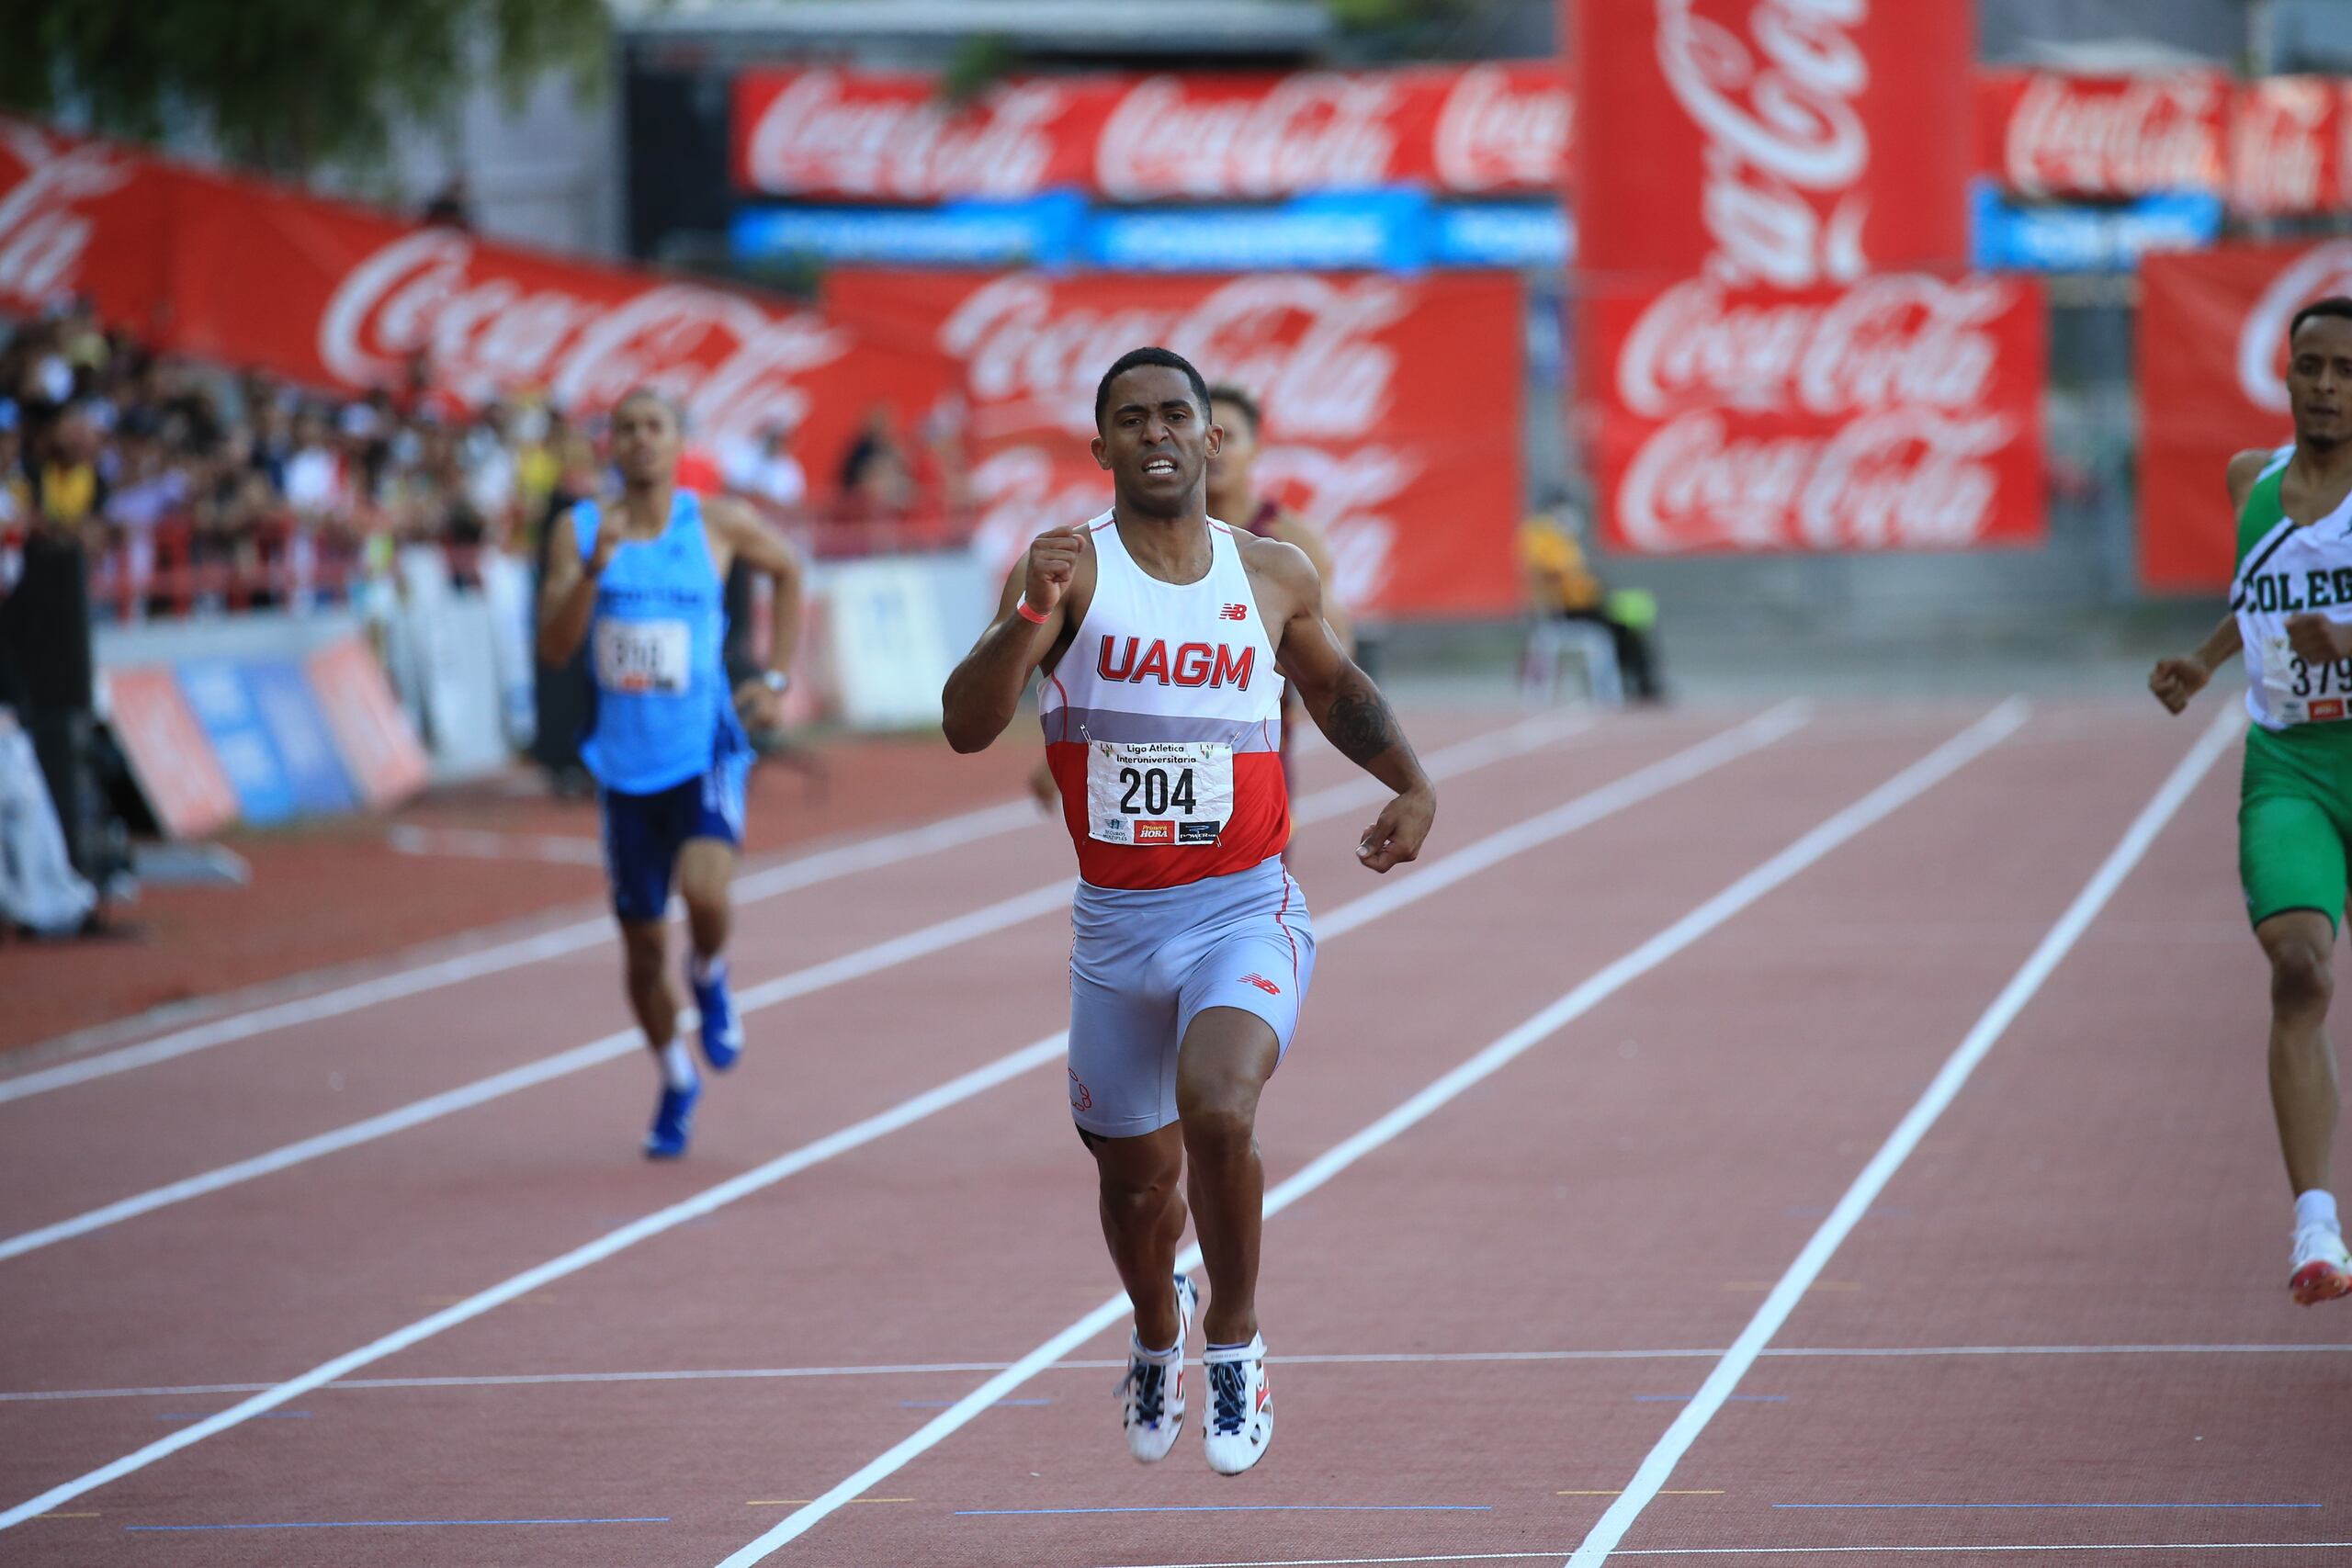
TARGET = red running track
x,y
2062,1324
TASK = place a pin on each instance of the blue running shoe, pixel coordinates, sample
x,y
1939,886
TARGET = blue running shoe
x,y
721,1033
672,1121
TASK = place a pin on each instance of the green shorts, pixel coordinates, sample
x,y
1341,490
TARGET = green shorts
x,y
2295,821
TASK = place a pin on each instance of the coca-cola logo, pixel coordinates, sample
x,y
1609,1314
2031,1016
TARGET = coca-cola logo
x,y
2278,145
828,132
1311,130
2115,138
43,236
1785,145
1309,345
2262,342
1491,134
734,366
1901,478
1893,340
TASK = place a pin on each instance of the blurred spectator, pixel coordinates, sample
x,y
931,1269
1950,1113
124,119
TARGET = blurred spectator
x,y
452,206
764,470
1562,585
877,480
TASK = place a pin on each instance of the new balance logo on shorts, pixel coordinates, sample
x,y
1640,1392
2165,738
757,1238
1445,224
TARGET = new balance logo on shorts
x,y
1234,613
1262,984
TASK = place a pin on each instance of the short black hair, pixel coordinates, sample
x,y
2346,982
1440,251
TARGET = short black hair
x,y
2334,305
642,391
1227,392
1135,357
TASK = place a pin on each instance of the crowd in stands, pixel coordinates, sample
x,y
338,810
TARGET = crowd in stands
x,y
196,488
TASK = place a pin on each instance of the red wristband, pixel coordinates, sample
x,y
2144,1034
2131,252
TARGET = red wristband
x,y
1035,617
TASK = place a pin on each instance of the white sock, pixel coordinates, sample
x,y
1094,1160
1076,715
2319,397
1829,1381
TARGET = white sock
x,y
677,1067
1144,1349
2315,1208
710,972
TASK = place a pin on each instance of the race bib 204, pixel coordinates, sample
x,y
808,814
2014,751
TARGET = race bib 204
x,y
638,656
1158,793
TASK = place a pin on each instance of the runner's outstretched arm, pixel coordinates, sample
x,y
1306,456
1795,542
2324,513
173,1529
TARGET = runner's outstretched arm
x,y
2174,680
984,692
1345,704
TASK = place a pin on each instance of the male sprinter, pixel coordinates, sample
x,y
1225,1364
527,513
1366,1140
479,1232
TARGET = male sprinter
x,y
1234,498
2291,610
641,578
1161,635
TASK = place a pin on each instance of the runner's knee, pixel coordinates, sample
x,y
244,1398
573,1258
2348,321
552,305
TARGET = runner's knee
x,y
643,946
2300,979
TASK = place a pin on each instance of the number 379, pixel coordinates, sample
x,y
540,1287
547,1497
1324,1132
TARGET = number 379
x,y
2330,678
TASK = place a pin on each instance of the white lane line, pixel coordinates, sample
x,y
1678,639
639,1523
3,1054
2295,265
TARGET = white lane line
x,y
1903,787
1763,1552
1657,1466
1333,1359
825,865
1478,752
481,843
1662,775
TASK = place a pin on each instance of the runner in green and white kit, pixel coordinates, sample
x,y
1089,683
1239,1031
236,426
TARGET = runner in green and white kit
x,y
2290,610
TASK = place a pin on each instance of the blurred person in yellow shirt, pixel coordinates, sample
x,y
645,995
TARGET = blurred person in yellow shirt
x,y
1562,585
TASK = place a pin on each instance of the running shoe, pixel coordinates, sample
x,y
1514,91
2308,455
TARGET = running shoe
x,y
672,1121
2323,1269
1241,1407
721,1033
1152,1397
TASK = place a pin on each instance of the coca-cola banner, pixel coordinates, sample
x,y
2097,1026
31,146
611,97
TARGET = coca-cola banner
x,y
1775,143
80,217
2290,146
2212,353
2042,133
1899,412
1393,406
1501,127
339,295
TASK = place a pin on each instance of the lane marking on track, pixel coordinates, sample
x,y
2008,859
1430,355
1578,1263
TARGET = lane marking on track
x,y
1451,761
1844,825
1657,1466
2036,1506
481,843
807,871
1698,1492
1384,1357
1765,1551
796,1502
1238,1508
374,1524
1630,790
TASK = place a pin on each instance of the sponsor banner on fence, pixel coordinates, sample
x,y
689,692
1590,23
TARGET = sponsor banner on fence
x,y
2213,353
2082,237
2290,146
1393,405
2042,133
169,754
1899,412
881,137
378,747
1773,143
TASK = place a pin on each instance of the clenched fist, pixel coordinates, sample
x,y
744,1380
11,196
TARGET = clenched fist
x,y
2174,680
2318,641
1053,561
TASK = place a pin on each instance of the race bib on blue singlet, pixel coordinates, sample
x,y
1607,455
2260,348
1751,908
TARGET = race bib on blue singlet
x,y
638,656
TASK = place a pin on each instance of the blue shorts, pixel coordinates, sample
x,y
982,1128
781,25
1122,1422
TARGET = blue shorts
x,y
1143,964
643,833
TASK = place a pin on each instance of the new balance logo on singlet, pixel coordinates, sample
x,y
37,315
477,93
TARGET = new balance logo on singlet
x,y
1193,663
1234,613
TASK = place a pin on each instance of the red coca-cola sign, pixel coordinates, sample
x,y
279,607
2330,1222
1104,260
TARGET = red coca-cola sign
x,y
2212,354
1898,412
78,217
1392,405
2044,133
870,135
1778,143
2287,137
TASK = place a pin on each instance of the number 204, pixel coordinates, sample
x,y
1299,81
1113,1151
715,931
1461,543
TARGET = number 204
x,y
1152,785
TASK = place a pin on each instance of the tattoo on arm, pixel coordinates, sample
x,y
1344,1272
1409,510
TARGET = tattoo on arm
x,y
1360,722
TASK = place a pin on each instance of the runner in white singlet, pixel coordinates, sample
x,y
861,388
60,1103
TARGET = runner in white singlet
x,y
1164,637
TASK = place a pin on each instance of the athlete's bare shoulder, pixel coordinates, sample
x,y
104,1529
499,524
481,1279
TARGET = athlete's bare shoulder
x,y
1276,567
2244,468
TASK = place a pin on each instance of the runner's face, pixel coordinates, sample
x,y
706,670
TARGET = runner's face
x,y
2319,379
1229,470
645,441
1156,440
